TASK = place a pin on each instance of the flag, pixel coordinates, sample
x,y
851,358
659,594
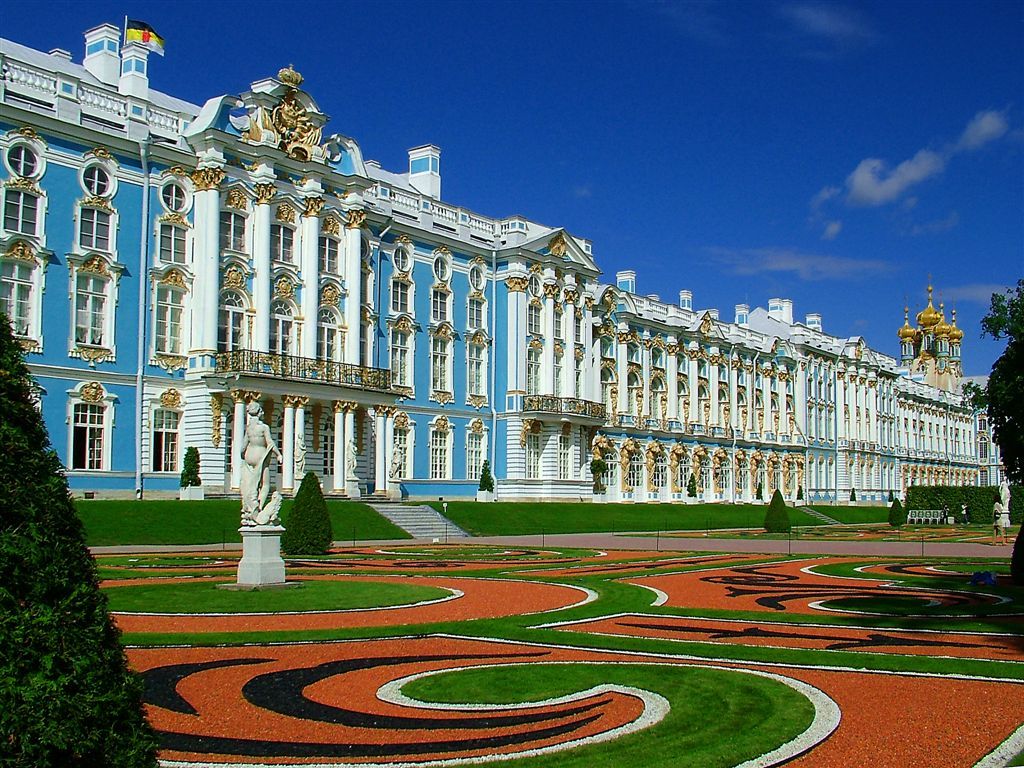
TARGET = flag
x,y
140,32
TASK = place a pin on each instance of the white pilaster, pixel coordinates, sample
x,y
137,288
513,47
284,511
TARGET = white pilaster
x,y
353,284
380,473
237,432
288,444
299,440
310,261
339,446
693,381
672,385
206,261
261,265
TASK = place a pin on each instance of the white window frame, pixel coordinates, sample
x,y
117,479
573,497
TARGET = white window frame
x,y
228,239
440,439
565,457
34,303
106,402
154,428
440,364
174,234
22,194
533,368
534,455
164,342
476,369
277,322
440,305
329,334
94,216
476,453
401,371
280,236
401,287
106,321
328,248
481,303
226,342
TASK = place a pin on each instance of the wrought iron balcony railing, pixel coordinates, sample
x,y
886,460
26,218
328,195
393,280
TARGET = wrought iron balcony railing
x,y
304,369
566,406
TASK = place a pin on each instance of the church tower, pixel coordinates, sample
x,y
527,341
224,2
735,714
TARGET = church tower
x,y
932,349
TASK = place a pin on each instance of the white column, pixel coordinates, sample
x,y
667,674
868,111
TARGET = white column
x,y
389,447
237,432
591,358
206,260
288,444
713,387
783,411
380,470
350,437
353,284
547,358
310,261
841,406
299,440
569,361
622,373
261,266
693,382
766,398
339,446
800,399
647,408
516,352
734,411
672,385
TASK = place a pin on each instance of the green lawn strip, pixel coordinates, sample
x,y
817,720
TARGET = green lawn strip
x,y
717,717
205,597
843,514
1018,760
111,522
527,518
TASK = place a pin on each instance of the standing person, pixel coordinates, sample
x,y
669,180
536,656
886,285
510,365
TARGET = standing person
x,y
963,514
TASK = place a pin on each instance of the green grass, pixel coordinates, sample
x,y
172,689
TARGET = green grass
x,y
205,597
854,515
718,717
525,518
110,522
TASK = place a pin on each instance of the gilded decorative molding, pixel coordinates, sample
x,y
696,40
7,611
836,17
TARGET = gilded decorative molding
x,y
441,424
170,362
580,354
551,290
22,251
285,214
93,355
264,193
216,418
236,199
401,420
557,245
100,203
403,239
331,225
476,427
174,279
91,392
477,401
589,302
356,218
24,184
283,288
27,132
529,426
177,219
207,178
536,344
442,331
170,398
516,284
313,206
479,338
233,278
442,398
101,152
330,296
403,324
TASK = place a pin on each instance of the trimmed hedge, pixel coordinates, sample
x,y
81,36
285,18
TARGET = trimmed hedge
x,y
307,531
67,697
979,500
776,519
897,514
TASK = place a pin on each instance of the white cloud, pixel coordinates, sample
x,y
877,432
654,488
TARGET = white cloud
x,y
806,266
873,183
832,22
832,229
823,196
973,293
984,127
937,226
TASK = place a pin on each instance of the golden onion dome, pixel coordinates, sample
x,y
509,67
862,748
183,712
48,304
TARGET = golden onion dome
x,y
929,316
942,328
955,334
906,333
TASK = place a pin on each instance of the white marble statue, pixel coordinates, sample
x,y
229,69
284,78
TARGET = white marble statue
x,y
351,458
1001,513
259,506
300,454
397,462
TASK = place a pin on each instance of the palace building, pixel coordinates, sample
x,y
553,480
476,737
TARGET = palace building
x,y
164,263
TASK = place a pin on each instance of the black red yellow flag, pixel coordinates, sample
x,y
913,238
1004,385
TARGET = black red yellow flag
x,y
140,32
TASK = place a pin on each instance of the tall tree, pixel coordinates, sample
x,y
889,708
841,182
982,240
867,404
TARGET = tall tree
x,y
67,697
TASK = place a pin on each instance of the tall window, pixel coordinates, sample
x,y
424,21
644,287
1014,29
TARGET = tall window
x,y
743,473
281,243
607,382
635,388
683,471
533,456
635,475
21,212
328,255
532,371
439,364
327,335
559,372
231,323
165,440
16,295
402,449
474,455
533,319
577,387
172,244
232,231
476,313
94,230
659,476
281,328
169,304
476,378
438,306
399,296
90,309
438,455
400,373
565,457
87,436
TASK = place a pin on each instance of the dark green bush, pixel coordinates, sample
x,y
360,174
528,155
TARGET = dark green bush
x,y
776,519
891,497
486,478
979,500
759,493
598,468
691,486
308,525
799,493
897,514
67,698
190,468
853,494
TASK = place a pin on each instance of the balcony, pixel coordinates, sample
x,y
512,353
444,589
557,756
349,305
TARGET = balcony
x,y
565,406
292,368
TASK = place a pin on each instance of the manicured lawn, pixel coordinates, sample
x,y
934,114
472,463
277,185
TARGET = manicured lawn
x,y
114,521
854,514
521,518
205,597
718,718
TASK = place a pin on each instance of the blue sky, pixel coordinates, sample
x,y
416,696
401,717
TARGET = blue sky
x,y
836,154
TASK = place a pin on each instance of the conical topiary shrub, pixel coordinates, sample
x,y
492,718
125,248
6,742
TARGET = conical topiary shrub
x,y
799,493
486,478
307,528
853,494
691,486
67,697
776,519
897,514
190,468
759,493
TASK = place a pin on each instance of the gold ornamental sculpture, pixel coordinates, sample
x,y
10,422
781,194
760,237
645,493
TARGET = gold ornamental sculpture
x,y
289,124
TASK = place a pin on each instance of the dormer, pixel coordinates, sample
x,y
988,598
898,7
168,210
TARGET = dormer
x,y
102,59
425,170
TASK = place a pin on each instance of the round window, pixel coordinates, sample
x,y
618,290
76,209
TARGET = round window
x,y
23,160
173,197
97,181
401,259
476,277
441,269
535,287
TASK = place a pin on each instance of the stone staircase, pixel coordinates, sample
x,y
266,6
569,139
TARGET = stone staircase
x,y
420,521
820,516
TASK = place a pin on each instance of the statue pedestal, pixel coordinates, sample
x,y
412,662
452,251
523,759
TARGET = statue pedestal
x,y
261,563
352,489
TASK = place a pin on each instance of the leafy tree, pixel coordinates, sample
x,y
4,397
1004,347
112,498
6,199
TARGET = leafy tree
x,y
853,494
1001,395
308,527
67,698
598,468
759,492
691,486
486,479
190,468
776,519
897,514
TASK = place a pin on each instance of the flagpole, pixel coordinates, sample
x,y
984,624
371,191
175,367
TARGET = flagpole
x,y
124,31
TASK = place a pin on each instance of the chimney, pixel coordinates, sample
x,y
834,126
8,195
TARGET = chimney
x,y
814,321
60,53
713,313
653,297
425,170
686,299
626,280
742,314
787,311
134,71
101,53
777,309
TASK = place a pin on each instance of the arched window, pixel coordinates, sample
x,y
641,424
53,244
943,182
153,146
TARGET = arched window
x,y
231,325
401,371
281,323
657,392
16,295
683,470
659,477
683,398
635,476
533,371
607,382
635,388
328,335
